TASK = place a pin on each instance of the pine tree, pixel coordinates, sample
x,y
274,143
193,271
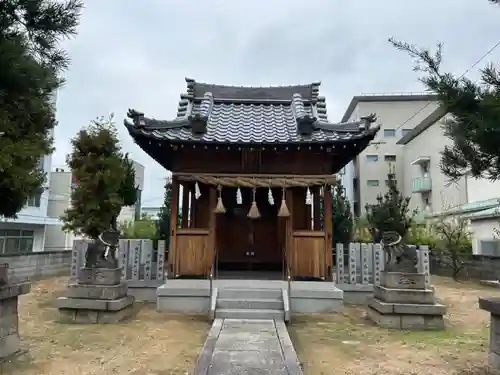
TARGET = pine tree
x,y
342,216
390,213
473,109
105,180
30,65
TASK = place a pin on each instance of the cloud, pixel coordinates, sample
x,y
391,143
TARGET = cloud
x,y
136,54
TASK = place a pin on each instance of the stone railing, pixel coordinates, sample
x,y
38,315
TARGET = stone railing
x,y
359,267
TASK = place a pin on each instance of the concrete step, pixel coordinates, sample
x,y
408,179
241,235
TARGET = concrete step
x,y
250,303
235,293
249,314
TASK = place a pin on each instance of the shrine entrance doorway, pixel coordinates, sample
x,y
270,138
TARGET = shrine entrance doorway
x,y
250,247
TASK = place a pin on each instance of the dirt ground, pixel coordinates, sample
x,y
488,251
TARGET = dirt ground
x,y
348,343
155,343
151,343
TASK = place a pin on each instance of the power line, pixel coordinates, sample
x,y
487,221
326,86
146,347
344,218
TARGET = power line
x,y
461,76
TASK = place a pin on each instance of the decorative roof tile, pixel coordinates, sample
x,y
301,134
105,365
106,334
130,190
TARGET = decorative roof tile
x,y
231,114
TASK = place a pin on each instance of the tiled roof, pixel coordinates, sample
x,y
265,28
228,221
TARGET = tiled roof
x,y
471,207
230,114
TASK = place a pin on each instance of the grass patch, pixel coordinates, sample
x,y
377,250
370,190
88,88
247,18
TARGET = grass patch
x,y
149,343
348,343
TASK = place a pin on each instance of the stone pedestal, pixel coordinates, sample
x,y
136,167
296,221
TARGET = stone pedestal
x,y
10,344
402,301
98,296
492,305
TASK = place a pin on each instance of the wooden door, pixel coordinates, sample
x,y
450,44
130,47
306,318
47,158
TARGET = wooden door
x,y
232,240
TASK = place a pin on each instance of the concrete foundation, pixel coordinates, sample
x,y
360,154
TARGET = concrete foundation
x,y
402,301
315,297
193,296
185,296
10,343
356,294
492,305
98,297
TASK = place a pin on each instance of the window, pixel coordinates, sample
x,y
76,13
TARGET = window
x,y
16,241
372,182
389,132
35,200
372,158
490,248
405,131
387,182
390,158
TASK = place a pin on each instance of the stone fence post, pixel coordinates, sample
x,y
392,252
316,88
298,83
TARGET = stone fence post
x,y
492,305
10,343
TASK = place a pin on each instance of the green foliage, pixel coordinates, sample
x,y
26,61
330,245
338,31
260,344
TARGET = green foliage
x,y
146,228
361,230
342,216
473,124
423,235
30,66
105,182
390,213
128,190
165,212
454,241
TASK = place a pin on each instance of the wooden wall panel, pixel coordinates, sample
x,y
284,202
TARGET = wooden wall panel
x,y
202,160
308,254
192,247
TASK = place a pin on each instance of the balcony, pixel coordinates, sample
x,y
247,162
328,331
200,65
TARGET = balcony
x,y
421,185
421,160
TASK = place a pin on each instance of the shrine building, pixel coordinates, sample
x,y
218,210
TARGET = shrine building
x,y
252,170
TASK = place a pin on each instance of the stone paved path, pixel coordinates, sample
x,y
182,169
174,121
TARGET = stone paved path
x,y
248,347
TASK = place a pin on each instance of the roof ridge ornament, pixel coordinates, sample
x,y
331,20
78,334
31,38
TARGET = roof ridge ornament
x,y
199,120
137,118
305,122
363,124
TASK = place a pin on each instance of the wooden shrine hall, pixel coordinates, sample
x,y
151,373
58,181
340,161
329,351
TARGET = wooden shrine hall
x,y
251,170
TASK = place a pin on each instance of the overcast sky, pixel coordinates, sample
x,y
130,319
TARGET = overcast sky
x,y
135,54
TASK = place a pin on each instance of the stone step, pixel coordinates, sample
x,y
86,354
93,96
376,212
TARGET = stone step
x,y
235,293
411,296
249,314
250,303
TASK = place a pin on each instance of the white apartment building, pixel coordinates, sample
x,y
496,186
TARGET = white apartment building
x,y
60,200
430,190
366,177
27,233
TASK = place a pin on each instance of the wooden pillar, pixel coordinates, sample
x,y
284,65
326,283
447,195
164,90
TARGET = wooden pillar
x,y
289,233
308,210
172,251
316,209
328,226
212,223
185,205
193,211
